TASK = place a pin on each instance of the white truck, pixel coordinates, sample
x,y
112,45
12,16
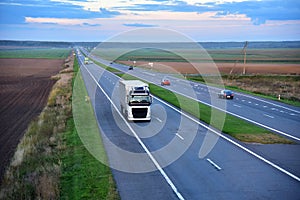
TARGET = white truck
x,y
86,60
135,100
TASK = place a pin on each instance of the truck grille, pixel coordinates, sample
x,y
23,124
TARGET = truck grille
x,y
139,112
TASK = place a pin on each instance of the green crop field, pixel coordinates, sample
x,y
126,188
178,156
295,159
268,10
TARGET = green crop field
x,y
47,53
265,52
257,55
275,55
237,128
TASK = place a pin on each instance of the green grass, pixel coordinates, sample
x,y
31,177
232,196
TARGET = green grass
x,y
258,94
83,175
47,53
231,125
268,55
36,166
110,69
217,55
274,98
53,161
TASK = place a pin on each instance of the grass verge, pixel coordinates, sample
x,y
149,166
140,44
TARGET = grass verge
x,y
51,161
237,128
286,86
84,176
36,166
233,126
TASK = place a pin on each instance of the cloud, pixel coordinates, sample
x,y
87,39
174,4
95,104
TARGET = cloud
x,y
88,5
88,24
106,13
140,25
16,11
63,21
259,11
227,19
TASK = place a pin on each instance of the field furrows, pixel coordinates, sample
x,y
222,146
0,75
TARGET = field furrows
x,y
24,91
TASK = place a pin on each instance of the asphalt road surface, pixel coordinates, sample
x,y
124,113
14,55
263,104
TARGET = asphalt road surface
x,y
162,159
278,117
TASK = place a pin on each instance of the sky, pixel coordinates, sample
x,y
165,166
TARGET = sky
x,y
200,20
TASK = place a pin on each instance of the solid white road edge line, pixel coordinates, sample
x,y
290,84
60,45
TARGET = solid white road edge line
x,y
241,117
201,85
231,141
270,103
245,95
244,118
140,141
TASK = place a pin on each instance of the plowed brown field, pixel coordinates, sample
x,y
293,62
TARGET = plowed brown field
x,y
24,88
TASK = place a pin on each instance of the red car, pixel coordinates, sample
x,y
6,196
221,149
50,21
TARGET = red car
x,y
165,81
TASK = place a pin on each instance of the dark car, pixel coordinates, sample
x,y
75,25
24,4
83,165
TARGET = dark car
x,y
226,94
130,68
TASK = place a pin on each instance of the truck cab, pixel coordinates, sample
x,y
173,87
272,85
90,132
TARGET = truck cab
x,y
135,100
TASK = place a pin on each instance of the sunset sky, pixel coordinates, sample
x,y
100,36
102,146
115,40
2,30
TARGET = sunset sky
x,y
201,20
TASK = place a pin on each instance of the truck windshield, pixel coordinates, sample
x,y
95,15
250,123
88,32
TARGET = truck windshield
x,y
139,100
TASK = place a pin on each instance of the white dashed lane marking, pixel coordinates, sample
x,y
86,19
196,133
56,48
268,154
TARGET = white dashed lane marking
x,y
179,136
214,164
269,116
158,119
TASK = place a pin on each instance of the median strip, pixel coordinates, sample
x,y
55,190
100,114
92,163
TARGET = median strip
x,y
233,126
83,175
126,76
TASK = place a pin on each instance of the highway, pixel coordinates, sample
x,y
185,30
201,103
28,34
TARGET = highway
x,y
163,160
275,116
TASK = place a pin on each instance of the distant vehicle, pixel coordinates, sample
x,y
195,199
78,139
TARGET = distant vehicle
x,y
135,100
226,94
165,81
86,60
130,68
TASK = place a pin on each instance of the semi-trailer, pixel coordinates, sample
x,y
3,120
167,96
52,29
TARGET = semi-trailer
x,y
86,60
135,100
